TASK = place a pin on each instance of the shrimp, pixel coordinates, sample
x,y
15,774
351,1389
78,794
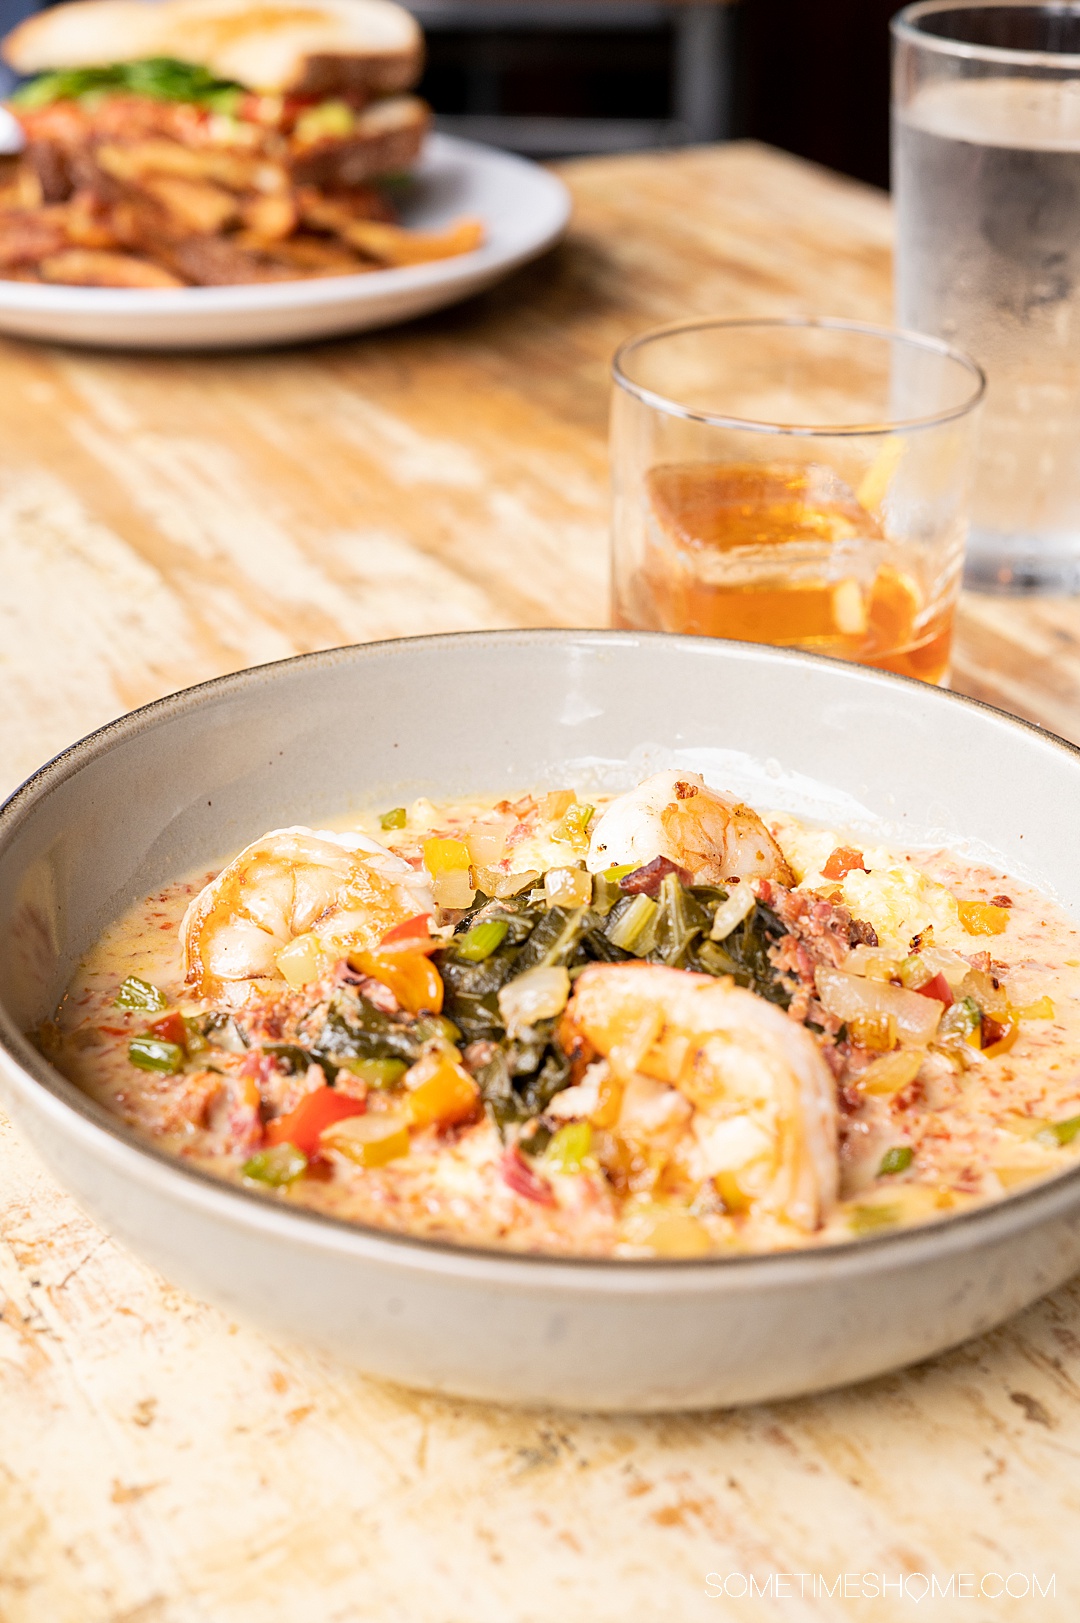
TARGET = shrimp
x,y
290,905
676,815
738,1088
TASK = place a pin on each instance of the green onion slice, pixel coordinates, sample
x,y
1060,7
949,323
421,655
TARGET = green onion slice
x,y
155,1054
279,1165
480,942
138,994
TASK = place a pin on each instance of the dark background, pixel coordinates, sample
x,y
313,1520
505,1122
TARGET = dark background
x,y
811,76
814,78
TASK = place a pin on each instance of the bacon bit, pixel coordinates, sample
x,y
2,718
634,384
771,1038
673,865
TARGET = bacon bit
x,y
375,992
996,1038
862,934
190,1105
844,860
685,791
478,1054
938,988
991,1031
1001,901
523,1180
646,881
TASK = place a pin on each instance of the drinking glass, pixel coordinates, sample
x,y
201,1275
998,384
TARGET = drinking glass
x,y
796,482
986,178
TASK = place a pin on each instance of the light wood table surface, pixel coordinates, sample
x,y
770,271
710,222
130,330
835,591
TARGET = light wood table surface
x,y
166,519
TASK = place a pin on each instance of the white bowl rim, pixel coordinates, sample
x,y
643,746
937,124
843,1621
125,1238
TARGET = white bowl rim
x,y
1022,1209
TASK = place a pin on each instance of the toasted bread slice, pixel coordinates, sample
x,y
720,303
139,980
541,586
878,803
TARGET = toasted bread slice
x,y
297,47
386,139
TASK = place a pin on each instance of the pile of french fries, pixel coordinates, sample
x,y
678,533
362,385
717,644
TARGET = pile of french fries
x,y
156,213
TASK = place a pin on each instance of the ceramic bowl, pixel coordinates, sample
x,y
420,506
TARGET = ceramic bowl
x,y
192,778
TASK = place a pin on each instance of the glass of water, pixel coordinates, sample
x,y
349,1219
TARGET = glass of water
x,y
986,178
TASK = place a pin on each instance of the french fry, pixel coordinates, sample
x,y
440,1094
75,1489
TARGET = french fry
x,y
192,205
237,171
88,267
393,245
269,218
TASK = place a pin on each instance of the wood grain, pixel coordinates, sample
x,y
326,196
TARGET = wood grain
x,y
163,519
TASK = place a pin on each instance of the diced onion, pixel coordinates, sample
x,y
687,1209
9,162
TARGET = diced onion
x,y
992,1000
301,961
891,1072
568,887
487,841
850,997
453,888
557,804
539,994
942,961
873,963
370,1140
740,902
493,882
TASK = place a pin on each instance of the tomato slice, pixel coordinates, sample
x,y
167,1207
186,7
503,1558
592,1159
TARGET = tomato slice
x,y
315,1112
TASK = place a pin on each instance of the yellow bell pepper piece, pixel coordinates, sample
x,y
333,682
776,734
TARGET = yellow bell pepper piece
x,y
440,1090
369,1140
409,973
734,1197
982,918
445,856
1041,1009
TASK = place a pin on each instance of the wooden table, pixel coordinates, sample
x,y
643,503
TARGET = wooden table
x,y
164,519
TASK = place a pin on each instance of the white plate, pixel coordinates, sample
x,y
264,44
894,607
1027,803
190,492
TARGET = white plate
x,y
524,209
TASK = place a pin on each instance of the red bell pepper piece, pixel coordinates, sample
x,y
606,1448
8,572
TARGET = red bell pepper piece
x,y
171,1029
844,860
418,928
938,988
315,1112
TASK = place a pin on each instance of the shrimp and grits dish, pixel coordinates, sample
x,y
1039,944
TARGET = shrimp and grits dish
x,y
661,1024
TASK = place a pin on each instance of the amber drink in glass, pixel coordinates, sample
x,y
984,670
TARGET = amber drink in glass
x,y
803,483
